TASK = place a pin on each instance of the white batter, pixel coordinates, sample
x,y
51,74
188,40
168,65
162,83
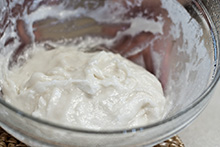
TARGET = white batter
x,y
99,90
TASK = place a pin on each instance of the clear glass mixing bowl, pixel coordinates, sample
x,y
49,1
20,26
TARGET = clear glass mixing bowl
x,y
185,58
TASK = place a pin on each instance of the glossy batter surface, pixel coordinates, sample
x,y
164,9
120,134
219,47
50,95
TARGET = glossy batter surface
x,y
98,90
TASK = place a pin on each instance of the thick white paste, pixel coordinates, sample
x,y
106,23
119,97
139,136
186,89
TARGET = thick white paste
x,y
98,90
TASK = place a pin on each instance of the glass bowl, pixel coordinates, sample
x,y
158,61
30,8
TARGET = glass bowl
x,y
184,57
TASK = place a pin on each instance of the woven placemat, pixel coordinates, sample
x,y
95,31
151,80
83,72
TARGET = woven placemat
x,y
6,140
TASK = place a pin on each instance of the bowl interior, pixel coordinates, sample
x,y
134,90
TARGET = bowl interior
x,y
183,56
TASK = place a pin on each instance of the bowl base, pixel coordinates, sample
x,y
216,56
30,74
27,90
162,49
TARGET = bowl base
x,y
8,140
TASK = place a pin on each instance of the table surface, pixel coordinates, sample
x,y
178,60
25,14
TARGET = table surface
x,y
205,130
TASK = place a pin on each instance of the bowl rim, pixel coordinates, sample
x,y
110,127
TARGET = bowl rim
x,y
196,102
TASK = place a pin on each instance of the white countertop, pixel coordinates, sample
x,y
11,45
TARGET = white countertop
x,y
205,130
